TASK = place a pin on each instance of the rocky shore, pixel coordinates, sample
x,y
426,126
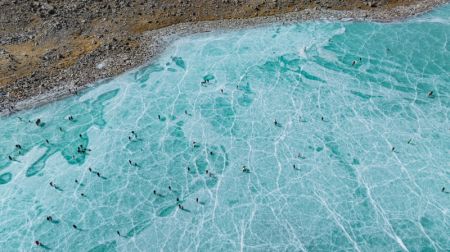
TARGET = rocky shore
x,y
51,49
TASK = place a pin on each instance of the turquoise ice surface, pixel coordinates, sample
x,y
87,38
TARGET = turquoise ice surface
x,y
357,160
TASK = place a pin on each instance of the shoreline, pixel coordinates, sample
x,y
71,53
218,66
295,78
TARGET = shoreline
x,y
155,42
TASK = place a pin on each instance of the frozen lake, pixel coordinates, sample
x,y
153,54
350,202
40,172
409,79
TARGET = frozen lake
x,y
320,136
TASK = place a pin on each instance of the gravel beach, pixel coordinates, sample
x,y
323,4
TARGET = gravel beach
x,y
51,49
